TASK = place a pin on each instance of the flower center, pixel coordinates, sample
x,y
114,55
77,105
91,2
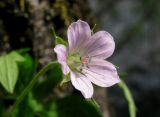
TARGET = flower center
x,y
76,62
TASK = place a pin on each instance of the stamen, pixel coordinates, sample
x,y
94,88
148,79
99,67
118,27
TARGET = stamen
x,y
85,61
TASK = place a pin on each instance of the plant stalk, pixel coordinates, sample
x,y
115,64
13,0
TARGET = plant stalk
x,y
30,86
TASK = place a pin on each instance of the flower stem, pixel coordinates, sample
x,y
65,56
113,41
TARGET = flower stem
x,y
30,86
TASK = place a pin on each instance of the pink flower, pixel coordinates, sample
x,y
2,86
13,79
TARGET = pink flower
x,y
85,58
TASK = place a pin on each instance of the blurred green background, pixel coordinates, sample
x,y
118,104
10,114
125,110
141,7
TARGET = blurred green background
x,y
25,25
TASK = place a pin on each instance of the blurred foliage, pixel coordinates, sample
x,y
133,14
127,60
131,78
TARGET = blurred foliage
x,y
39,102
27,70
63,107
45,86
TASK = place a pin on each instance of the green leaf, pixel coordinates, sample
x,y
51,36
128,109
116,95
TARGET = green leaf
x,y
31,85
25,109
1,108
9,70
30,107
70,106
74,106
129,98
33,103
27,70
52,79
38,108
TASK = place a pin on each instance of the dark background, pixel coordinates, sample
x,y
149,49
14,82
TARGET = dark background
x,y
134,24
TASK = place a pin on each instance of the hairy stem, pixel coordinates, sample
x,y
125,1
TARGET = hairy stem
x,y
30,86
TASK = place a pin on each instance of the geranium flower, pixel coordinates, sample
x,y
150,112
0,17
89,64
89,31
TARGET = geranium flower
x,y
84,59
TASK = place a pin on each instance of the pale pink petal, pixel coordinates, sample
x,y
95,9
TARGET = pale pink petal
x,y
101,73
78,32
101,45
65,68
62,54
82,83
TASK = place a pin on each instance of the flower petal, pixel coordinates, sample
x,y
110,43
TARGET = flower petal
x,y
101,73
78,32
81,83
65,68
62,54
101,45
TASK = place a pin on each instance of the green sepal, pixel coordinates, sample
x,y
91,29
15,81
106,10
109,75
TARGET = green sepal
x,y
60,40
66,78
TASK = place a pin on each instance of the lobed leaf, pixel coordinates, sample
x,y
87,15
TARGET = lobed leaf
x,y
9,70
